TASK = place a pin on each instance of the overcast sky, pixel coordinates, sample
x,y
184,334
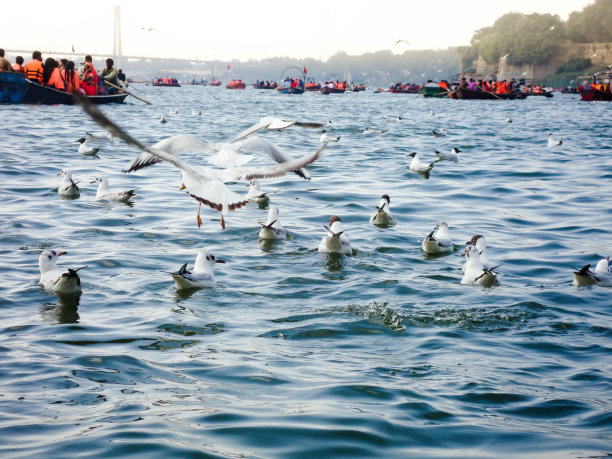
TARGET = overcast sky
x,y
243,30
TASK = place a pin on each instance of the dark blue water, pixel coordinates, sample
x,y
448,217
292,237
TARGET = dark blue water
x,y
294,353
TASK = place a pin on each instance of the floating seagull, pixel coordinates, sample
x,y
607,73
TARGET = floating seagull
x,y
383,216
475,272
439,133
393,119
370,131
431,113
275,124
223,154
273,229
104,194
256,195
202,275
85,148
162,120
336,241
326,138
172,112
418,166
196,112
508,120
480,243
452,155
54,279
552,142
204,184
601,276
68,187
439,240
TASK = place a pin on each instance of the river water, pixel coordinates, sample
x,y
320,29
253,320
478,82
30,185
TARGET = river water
x,y
295,353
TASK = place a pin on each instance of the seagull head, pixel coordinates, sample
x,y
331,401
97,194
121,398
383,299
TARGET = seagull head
x,y
412,155
48,259
205,260
81,140
441,225
65,172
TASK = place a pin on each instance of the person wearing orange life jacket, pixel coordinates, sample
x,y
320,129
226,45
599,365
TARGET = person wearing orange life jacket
x,y
34,69
89,78
18,65
70,78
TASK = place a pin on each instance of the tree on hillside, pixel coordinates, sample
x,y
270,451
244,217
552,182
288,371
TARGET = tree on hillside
x,y
592,24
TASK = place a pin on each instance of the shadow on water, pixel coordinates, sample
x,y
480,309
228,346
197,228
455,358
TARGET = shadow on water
x,y
64,312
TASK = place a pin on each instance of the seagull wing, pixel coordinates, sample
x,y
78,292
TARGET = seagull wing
x,y
262,124
259,144
204,184
174,146
277,170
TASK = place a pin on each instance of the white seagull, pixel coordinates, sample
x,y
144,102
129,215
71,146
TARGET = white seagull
x,y
273,229
417,165
452,155
205,184
475,272
439,240
202,275
438,133
162,120
86,149
326,138
68,187
383,216
256,195
104,194
393,119
54,279
273,123
552,142
601,276
336,241
480,243
371,131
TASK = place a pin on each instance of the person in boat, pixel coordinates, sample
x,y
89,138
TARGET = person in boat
x,y
472,84
463,83
48,67
5,65
121,76
109,74
18,65
34,69
89,77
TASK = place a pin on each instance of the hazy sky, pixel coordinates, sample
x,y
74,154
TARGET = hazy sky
x,y
255,29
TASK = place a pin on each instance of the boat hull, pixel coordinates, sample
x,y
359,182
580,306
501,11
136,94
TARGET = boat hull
x,y
15,88
290,90
590,95
468,94
434,92
167,85
326,90
235,86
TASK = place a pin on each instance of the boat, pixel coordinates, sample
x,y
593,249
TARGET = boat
x,y
434,91
235,84
166,82
312,86
407,88
295,90
548,94
334,90
264,85
465,93
590,94
15,88
213,82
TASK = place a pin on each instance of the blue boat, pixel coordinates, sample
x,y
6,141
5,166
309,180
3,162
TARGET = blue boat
x,y
15,88
290,90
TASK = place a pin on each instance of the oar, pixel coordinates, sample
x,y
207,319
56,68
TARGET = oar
x,y
130,93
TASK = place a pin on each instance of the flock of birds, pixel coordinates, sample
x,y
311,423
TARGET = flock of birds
x,y
208,186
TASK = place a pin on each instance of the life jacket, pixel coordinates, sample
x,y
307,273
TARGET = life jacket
x,y
73,86
34,70
55,80
18,67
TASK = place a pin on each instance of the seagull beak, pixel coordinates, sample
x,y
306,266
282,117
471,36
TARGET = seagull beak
x,y
61,253
93,181
182,187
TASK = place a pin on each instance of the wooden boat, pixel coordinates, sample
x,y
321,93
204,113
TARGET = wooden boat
x,y
327,90
313,87
590,94
235,85
465,93
290,90
434,91
261,85
548,94
166,82
213,82
15,88
405,89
